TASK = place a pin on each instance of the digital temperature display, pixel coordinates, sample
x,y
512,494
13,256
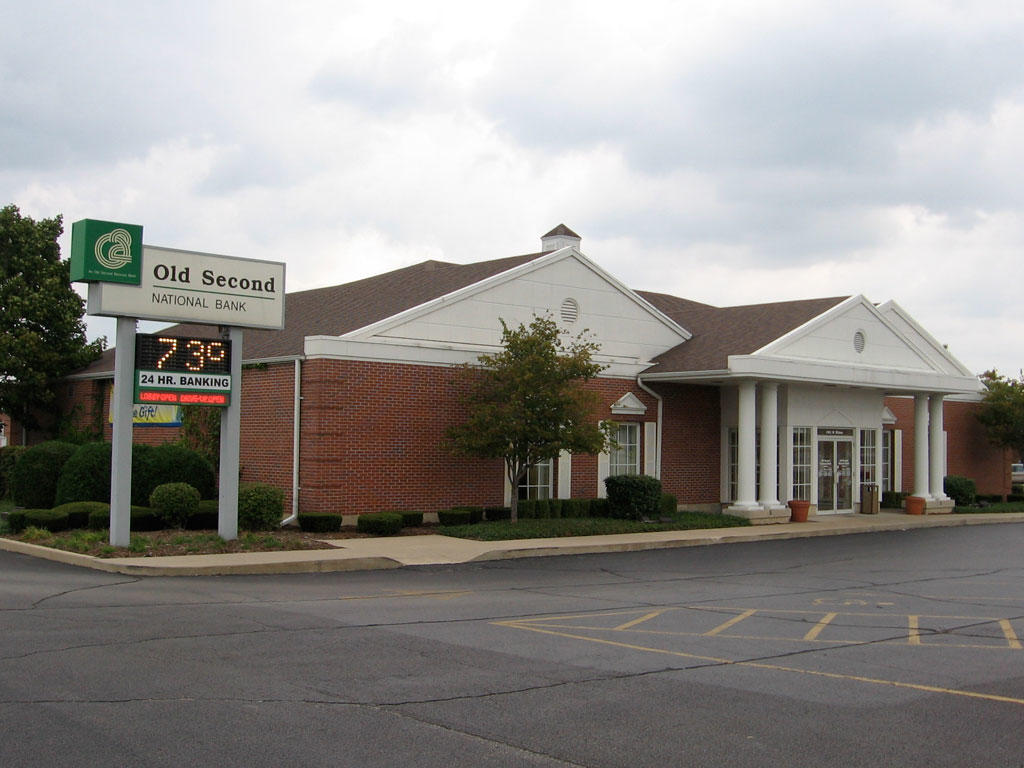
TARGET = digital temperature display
x,y
183,370
187,354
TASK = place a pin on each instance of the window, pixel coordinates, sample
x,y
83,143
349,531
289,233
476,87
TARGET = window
x,y
802,463
537,483
734,463
625,460
868,469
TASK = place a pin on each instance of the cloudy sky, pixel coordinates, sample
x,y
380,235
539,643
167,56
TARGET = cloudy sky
x,y
727,152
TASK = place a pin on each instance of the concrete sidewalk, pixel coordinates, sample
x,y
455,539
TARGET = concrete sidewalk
x,y
398,551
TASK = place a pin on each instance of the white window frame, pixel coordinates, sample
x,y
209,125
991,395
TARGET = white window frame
x,y
538,481
625,458
803,440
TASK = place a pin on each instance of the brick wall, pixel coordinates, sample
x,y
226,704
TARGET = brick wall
x,y
268,404
691,444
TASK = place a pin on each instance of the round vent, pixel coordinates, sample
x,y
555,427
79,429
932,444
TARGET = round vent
x,y
570,311
859,341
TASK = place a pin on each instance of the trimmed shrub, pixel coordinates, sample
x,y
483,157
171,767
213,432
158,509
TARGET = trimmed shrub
x,y
457,516
575,507
892,499
142,519
497,513
47,519
409,518
205,517
669,505
8,458
989,498
16,520
1015,497
78,511
527,509
34,477
86,475
260,507
962,490
633,497
174,502
476,514
379,523
554,508
319,522
599,508
169,463
542,509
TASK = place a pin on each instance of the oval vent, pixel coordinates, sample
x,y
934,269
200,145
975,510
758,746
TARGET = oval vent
x,y
859,341
570,311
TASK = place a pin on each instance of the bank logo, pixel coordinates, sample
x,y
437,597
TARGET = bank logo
x,y
114,249
106,252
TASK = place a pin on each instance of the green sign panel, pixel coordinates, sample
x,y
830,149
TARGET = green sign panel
x,y
106,252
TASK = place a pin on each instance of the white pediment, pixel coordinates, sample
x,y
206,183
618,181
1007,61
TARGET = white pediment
x,y
565,285
854,333
629,404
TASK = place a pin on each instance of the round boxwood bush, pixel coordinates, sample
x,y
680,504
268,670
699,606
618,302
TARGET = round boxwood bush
x,y
319,522
379,523
35,474
633,497
86,475
174,502
169,463
962,490
260,507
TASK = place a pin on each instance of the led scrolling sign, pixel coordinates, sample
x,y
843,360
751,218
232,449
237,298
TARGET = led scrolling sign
x,y
182,370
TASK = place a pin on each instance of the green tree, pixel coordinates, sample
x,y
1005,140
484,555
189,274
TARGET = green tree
x,y
1002,411
527,402
42,336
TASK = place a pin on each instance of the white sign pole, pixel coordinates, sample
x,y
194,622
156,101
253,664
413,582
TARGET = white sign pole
x,y
121,448
230,441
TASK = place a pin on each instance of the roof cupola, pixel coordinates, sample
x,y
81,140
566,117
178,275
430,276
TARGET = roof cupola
x,y
560,237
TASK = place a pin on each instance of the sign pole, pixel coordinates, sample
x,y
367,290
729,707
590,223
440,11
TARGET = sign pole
x,y
121,448
230,441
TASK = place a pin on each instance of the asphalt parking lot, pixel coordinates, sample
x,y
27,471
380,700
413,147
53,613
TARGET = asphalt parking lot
x,y
887,648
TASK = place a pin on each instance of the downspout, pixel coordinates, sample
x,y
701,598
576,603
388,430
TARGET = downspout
x,y
296,413
656,396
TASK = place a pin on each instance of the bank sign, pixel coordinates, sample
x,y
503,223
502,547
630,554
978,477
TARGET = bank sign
x,y
185,286
107,251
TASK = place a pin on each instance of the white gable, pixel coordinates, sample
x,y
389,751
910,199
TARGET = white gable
x,y
937,354
852,333
563,284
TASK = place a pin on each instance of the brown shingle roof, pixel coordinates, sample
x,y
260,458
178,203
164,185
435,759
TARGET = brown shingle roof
x,y
340,309
722,331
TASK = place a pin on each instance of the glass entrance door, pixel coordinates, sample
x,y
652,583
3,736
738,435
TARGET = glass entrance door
x,y
835,475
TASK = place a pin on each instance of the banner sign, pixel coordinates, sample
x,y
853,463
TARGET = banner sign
x,y
152,415
185,370
190,287
107,251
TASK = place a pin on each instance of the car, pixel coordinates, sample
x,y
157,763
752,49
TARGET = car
x,y
1017,473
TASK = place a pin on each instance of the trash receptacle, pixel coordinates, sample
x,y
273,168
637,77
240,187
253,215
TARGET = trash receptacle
x,y
869,499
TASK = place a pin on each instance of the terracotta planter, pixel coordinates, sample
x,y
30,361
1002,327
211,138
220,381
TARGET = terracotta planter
x,y
798,509
915,505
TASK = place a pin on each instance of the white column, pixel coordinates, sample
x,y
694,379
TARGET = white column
x,y
121,437
936,447
921,473
746,436
230,442
769,447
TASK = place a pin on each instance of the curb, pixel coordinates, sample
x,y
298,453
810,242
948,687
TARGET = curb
x,y
337,560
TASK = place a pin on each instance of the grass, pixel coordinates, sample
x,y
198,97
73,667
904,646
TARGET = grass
x,y
503,530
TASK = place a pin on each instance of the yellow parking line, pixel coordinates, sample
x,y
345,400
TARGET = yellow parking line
x,y
816,629
641,619
776,667
1011,636
730,622
913,630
